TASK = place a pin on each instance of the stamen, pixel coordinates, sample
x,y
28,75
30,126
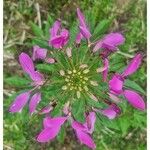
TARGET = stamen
x,y
64,87
62,73
86,71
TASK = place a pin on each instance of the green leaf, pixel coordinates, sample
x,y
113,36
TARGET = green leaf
x,y
16,81
61,135
46,67
78,110
101,28
41,42
134,86
36,29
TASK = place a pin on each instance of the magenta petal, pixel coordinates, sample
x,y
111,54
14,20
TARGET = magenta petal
x,y
114,98
85,32
50,60
85,139
78,126
19,102
134,99
133,65
57,42
113,40
55,28
79,37
37,77
109,112
39,53
26,63
105,72
98,46
46,109
65,34
81,18
110,42
34,102
54,122
48,134
116,84
90,122
83,27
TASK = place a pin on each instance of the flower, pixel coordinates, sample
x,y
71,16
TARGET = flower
x,y
110,112
39,53
110,42
84,31
38,80
59,37
73,85
83,131
117,82
52,127
79,37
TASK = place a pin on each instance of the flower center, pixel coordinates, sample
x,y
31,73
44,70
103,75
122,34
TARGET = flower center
x,y
76,80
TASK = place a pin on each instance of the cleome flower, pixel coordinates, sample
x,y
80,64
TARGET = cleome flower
x,y
37,81
75,82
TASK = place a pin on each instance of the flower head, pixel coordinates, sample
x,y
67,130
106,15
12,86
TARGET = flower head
x,y
38,80
59,37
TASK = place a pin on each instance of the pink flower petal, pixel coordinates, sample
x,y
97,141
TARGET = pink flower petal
x,y
39,53
110,42
78,126
85,139
134,99
105,72
48,134
56,42
116,84
81,18
26,63
83,27
50,60
85,32
54,122
35,99
37,77
98,46
133,65
19,102
109,112
65,34
54,30
51,128
90,122
114,98
79,37
46,109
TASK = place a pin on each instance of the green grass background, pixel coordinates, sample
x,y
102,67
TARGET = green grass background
x,y
129,17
